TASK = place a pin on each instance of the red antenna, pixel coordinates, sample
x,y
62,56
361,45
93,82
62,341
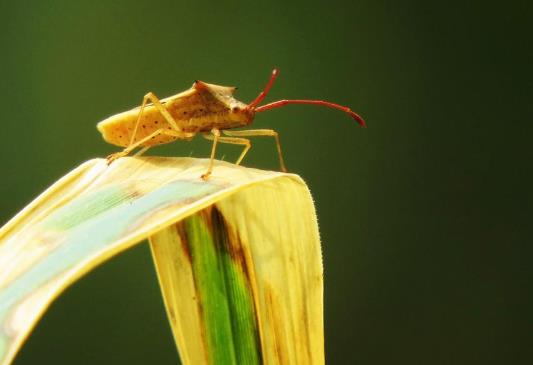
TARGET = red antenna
x,y
264,93
280,103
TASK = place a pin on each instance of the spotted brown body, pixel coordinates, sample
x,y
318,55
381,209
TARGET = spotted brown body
x,y
200,109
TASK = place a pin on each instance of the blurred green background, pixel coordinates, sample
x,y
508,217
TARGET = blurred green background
x,y
426,241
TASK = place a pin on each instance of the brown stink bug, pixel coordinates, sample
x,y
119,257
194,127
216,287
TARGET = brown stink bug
x,y
204,108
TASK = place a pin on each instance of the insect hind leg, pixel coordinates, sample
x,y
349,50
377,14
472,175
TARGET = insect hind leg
x,y
126,151
162,110
174,131
142,151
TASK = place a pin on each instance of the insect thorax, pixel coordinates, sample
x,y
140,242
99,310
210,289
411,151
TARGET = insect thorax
x,y
205,109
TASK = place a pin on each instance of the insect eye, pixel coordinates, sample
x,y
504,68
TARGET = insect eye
x,y
235,109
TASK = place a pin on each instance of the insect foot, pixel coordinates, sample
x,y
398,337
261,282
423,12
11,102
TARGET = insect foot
x,y
114,156
206,175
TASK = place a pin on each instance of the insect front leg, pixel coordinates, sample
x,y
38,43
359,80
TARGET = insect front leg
x,y
215,137
261,132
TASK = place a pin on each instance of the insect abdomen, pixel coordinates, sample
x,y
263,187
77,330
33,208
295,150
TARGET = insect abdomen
x,y
119,128
193,111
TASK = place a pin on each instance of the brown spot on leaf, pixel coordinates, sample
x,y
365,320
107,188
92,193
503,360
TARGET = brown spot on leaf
x,y
180,231
273,318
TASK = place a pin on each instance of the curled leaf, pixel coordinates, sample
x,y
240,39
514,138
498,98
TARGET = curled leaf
x,y
237,256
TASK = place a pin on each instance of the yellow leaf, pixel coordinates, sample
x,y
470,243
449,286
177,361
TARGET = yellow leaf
x,y
253,234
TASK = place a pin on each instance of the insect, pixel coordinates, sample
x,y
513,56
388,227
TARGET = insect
x,y
205,108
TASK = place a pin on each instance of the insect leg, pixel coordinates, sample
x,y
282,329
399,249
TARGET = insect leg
x,y
215,137
142,151
134,134
155,100
162,110
261,132
140,142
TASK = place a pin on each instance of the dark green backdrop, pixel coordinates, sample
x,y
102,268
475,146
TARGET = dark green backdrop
x,y
427,247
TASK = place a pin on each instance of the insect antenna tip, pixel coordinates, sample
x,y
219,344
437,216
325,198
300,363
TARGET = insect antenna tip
x,y
358,119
